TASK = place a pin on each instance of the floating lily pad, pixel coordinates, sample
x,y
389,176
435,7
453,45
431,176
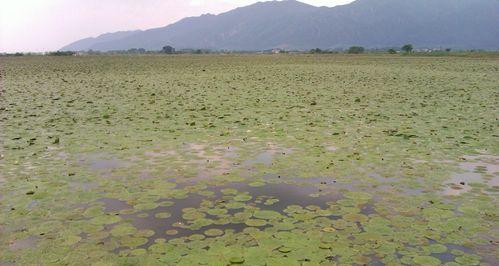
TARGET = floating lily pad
x,y
213,232
269,202
193,215
123,230
468,259
236,260
144,233
285,249
146,206
105,219
328,229
163,215
138,252
133,242
267,215
426,261
243,197
255,222
71,240
437,248
171,232
256,184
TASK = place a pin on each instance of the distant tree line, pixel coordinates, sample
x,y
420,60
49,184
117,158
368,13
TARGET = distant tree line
x,y
168,50
320,51
62,53
356,50
13,54
404,50
407,49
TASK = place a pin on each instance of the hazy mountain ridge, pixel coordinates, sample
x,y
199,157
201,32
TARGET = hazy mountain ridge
x,y
83,44
295,25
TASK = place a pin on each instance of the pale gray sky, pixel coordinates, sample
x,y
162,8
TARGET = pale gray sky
x,y
47,25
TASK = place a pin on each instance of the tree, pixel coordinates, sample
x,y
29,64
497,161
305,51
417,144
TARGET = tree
x,y
356,50
62,53
316,51
407,48
168,50
392,51
136,51
448,50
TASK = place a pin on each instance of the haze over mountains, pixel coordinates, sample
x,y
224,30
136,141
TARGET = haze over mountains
x,y
289,24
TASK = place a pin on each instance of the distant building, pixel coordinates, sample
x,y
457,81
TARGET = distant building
x,y
273,51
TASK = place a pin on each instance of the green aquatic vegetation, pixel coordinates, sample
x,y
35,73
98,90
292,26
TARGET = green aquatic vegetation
x,y
355,217
236,260
163,215
132,242
193,215
229,191
367,143
426,260
255,222
71,240
468,259
213,232
267,215
243,197
171,232
138,252
217,212
269,202
145,233
200,223
105,219
166,203
123,230
235,205
257,184
437,248
284,226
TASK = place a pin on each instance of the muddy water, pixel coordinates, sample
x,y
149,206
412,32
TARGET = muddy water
x,y
26,243
282,191
101,162
447,256
286,195
481,169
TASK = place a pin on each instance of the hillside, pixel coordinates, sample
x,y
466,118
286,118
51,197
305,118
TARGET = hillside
x,y
294,25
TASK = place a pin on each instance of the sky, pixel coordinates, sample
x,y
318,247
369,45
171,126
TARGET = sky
x,y
48,25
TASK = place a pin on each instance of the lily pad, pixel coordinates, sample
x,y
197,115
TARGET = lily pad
x,y
255,222
426,261
213,232
267,215
163,215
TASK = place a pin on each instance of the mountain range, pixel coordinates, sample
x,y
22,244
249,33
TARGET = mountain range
x,y
289,24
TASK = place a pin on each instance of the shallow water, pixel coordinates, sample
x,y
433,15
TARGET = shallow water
x,y
481,169
285,193
101,162
26,243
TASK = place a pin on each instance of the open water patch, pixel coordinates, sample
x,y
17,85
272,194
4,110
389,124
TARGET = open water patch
x,y
223,209
481,171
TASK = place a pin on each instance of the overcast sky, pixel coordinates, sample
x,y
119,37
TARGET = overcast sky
x,y
47,25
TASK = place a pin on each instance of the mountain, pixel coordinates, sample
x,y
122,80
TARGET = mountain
x,y
84,44
461,24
